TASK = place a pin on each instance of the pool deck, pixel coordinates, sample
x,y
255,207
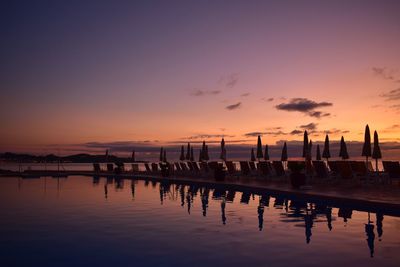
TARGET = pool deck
x,y
372,196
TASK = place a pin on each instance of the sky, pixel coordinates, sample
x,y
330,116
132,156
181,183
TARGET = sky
x,y
74,73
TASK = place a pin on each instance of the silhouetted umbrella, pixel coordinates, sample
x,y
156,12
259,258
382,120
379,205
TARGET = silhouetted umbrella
x,y
326,153
182,157
203,151
161,154
284,156
318,153
343,149
165,155
309,154
188,152
133,155
191,154
376,154
305,144
253,157
223,150
266,154
259,148
206,157
366,152
201,156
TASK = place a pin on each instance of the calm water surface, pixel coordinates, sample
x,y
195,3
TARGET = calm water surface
x,y
81,221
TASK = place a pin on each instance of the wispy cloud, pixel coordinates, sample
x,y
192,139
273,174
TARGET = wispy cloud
x,y
267,99
199,92
206,136
234,106
391,95
387,74
305,106
229,81
310,126
245,94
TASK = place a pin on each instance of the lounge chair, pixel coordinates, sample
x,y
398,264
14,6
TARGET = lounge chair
x,y
96,167
320,169
345,169
359,168
252,165
184,167
147,166
333,166
195,166
135,168
154,168
245,168
264,168
178,168
204,168
278,167
230,166
392,168
110,167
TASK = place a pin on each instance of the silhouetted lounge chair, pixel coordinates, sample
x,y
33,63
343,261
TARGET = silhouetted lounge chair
x,y
147,166
178,167
110,167
333,166
135,168
252,166
245,168
96,167
392,168
320,169
264,168
204,168
154,167
184,167
278,167
345,170
195,166
230,166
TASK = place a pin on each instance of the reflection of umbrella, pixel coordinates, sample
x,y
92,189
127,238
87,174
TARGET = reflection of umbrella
x,y
284,156
379,224
266,154
260,211
326,153
343,149
366,152
305,144
376,154
369,230
259,148
223,150
318,153
182,157
253,157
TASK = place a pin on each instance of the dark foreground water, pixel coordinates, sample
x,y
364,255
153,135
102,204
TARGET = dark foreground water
x,y
81,221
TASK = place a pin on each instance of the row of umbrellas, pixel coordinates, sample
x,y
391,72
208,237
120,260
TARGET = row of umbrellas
x,y
367,151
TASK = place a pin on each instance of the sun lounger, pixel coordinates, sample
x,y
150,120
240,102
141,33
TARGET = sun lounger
x,y
154,167
333,166
135,168
147,166
359,168
245,168
392,168
96,167
320,169
110,167
264,168
278,167
345,170
204,168
195,166
230,166
252,165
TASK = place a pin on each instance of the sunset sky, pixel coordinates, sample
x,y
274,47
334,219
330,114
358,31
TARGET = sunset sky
x,y
165,72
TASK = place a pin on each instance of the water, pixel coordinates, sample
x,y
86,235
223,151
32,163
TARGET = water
x,y
81,221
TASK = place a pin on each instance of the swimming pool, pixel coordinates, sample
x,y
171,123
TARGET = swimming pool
x,y
84,221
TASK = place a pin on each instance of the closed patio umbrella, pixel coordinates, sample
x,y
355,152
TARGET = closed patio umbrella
x,y
326,153
305,144
223,150
162,154
366,152
188,152
284,155
182,157
376,154
318,153
259,148
343,149
253,157
191,154
266,154
165,155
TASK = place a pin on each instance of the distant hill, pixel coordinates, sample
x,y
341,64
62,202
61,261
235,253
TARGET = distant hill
x,y
77,158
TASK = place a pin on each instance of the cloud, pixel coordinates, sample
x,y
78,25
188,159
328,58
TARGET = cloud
x,y
385,73
199,92
391,95
302,105
270,99
229,81
272,133
318,114
234,106
310,126
207,136
296,132
245,94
